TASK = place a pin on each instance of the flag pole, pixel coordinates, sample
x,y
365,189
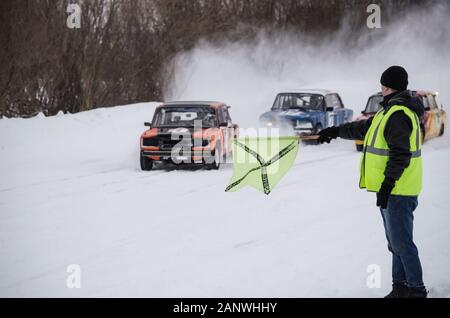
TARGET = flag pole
x,y
308,137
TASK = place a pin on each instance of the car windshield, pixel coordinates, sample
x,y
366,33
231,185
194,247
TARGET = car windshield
x,y
298,101
373,104
184,116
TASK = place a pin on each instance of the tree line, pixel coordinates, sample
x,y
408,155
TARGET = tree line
x,y
122,50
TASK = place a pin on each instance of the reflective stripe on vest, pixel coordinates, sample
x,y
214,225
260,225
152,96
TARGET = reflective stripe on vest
x,y
376,154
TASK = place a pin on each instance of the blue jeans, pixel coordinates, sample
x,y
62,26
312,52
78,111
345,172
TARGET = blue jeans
x,y
398,224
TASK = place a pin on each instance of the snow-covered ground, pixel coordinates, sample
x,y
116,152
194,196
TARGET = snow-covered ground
x,y
71,192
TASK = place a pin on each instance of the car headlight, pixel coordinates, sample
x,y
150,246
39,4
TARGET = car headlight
x,y
303,125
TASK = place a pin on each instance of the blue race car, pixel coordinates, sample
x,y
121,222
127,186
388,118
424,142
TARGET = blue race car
x,y
307,111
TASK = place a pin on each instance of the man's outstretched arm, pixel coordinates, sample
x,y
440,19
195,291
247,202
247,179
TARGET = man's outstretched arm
x,y
355,130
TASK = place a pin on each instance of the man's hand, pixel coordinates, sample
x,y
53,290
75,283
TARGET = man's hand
x,y
328,134
384,193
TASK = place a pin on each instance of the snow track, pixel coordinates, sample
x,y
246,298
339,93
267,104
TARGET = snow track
x,y
71,192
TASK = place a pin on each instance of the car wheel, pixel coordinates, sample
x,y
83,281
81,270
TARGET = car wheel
x,y
146,163
442,130
215,165
359,148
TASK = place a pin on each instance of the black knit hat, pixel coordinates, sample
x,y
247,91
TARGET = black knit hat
x,y
395,77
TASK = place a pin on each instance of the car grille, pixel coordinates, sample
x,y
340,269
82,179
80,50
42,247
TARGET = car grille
x,y
166,143
150,142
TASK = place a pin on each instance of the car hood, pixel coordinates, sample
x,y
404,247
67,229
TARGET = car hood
x,y
289,114
365,116
164,131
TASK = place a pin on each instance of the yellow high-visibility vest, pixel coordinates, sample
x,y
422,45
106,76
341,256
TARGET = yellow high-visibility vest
x,y
376,154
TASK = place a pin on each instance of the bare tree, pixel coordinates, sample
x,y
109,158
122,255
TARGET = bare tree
x,y
122,50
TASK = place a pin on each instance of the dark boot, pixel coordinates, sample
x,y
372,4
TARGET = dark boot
x,y
398,291
417,293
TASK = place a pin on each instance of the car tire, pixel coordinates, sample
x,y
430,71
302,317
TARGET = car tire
x,y
146,163
442,130
359,148
215,165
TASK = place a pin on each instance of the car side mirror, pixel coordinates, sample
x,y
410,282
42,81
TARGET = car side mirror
x,y
147,124
330,109
363,111
224,124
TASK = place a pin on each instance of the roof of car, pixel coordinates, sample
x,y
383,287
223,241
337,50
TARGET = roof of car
x,y
212,104
417,92
311,91
425,93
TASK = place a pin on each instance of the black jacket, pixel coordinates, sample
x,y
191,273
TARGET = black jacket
x,y
397,132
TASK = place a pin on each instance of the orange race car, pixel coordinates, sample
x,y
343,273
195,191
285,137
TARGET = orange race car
x,y
432,123
188,132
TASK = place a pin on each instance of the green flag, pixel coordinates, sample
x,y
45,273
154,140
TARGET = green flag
x,y
261,162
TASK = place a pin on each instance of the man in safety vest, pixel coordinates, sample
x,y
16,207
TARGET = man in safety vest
x,y
391,166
